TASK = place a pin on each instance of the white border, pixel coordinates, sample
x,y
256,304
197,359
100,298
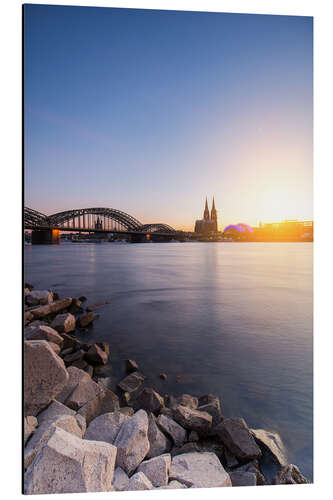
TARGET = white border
x,y
10,33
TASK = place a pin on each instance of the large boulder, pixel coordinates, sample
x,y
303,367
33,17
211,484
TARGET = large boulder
x,y
120,480
132,442
157,469
52,308
68,464
85,391
236,436
45,375
158,442
149,400
64,323
199,470
44,333
271,443
139,482
75,376
105,427
36,297
132,382
106,401
199,421
290,474
175,431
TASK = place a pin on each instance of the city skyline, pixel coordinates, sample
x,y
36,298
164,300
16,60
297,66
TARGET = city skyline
x,y
133,110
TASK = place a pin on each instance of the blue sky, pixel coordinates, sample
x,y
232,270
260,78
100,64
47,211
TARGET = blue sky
x,y
150,111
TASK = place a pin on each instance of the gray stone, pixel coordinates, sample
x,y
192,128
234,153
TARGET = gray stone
x,y
85,319
157,469
81,422
139,482
66,422
64,323
270,442
132,382
96,355
149,400
45,376
105,427
85,391
176,432
230,460
120,480
68,464
199,470
54,411
158,442
290,474
236,436
186,448
253,467
44,333
36,297
106,401
191,419
243,478
75,376
30,424
52,308
132,442
211,404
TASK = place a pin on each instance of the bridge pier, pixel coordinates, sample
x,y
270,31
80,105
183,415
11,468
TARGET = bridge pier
x,y
45,237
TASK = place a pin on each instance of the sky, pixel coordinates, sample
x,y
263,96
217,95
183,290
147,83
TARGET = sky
x,y
151,111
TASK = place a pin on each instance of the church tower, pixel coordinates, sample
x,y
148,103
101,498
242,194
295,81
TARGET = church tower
x,y
213,216
206,212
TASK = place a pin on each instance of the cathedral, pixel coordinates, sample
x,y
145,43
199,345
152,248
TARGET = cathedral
x,y
209,222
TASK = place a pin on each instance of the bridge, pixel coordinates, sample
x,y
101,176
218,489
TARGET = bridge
x,y
46,228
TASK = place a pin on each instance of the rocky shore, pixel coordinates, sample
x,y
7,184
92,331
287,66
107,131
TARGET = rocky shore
x,y
80,436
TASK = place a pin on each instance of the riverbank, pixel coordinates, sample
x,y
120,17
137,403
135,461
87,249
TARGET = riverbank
x,y
133,437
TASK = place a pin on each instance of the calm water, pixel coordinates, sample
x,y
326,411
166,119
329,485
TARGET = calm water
x,y
231,319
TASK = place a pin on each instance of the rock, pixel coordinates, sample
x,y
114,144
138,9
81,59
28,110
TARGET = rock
x,y
82,298
75,375
54,411
89,369
30,424
211,404
195,420
139,482
270,442
68,464
199,470
37,297
149,400
93,307
213,445
81,422
252,467
187,400
55,347
85,319
120,480
85,391
193,436
235,434
127,410
28,316
106,427
186,448
243,478
52,308
132,382
106,401
27,285
157,469
66,422
174,485
167,412
131,365
74,356
163,376
230,460
44,333
64,323
159,443
172,429
96,355
132,442
70,342
80,363
75,307
290,474
45,376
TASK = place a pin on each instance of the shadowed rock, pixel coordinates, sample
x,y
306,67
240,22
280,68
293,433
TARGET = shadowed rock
x,y
52,308
36,297
243,478
132,382
64,323
159,443
176,432
236,436
270,442
85,319
96,355
290,474
149,400
44,333
191,419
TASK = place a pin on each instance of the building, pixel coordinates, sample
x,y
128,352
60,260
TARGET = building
x,y
208,224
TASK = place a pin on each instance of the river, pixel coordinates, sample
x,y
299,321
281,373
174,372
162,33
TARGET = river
x,y
234,319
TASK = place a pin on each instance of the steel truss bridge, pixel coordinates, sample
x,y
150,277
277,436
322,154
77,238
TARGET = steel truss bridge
x,y
102,220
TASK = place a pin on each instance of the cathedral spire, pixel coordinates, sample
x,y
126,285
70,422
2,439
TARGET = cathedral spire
x,y
206,212
213,215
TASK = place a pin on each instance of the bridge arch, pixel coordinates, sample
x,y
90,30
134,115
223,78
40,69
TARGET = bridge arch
x,y
157,227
